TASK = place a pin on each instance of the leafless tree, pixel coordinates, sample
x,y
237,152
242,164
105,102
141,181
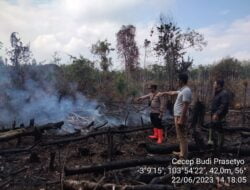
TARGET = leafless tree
x,y
127,48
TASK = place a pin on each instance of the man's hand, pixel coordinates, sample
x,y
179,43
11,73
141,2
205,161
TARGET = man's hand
x,y
181,120
138,99
161,115
160,94
215,117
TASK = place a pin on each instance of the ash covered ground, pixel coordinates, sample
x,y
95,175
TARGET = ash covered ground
x,y
33,170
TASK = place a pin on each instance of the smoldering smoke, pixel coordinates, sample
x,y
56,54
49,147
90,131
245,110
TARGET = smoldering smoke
x,y
39,92
37,97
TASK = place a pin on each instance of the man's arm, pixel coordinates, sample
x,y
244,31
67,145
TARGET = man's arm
x,y
162,105
186,98
169,93
184,113
223,106
143,97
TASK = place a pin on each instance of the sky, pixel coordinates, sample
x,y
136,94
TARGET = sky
x,y
72,26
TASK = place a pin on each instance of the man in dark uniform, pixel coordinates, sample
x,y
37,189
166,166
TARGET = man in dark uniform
x,y
219,107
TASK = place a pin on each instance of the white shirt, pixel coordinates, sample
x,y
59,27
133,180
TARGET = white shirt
x,y
184,95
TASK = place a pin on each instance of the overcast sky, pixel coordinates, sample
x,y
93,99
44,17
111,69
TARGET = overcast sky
x,y
71,26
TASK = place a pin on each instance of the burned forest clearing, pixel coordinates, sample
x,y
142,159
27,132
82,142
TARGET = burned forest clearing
x,y
104,157
120,95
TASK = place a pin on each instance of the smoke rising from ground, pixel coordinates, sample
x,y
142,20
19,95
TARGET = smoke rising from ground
x,y
36,91
40,92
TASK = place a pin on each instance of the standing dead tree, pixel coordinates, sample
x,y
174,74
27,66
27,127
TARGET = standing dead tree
x,y
18,54
244,102
127,48
102,50
145,77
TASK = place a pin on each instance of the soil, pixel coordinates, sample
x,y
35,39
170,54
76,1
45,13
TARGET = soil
x,y
37,173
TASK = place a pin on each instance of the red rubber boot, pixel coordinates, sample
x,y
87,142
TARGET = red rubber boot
x,y
160,136
155,135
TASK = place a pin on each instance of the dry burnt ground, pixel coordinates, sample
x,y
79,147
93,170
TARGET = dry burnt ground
x,y
33,170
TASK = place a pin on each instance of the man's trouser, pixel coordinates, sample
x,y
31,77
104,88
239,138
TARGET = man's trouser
x,y
181,132
217,137
156,121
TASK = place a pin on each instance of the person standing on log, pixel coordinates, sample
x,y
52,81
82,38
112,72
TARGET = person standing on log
x,y
219,108
157,105
182,102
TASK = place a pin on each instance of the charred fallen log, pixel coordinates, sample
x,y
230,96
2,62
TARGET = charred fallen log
x,y
11,176
168,149
243,141
100,168
73,139
222,127
235,129
245,134
17,150
242,151
94,134
88,185
161,179
28,131
100,126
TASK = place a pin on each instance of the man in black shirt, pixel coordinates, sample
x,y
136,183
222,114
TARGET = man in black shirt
x,y
219,108
220,102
